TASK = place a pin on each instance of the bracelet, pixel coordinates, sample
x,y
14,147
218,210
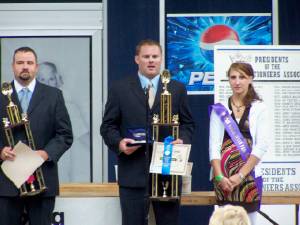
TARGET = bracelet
x,y
241,176
218,178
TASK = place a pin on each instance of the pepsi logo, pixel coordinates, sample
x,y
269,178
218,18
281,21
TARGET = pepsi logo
x,y
217,35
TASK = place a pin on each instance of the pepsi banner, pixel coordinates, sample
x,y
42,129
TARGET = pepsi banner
x,y
190,41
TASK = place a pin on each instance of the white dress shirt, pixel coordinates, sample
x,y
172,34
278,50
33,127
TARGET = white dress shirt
x,y
19,87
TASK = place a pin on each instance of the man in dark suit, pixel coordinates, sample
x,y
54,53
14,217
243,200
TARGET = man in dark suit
x,y
126,109
52,134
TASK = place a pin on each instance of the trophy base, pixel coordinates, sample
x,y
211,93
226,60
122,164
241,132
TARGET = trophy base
x,y
32,193
165,199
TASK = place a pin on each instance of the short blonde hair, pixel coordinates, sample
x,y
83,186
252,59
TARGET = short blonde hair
x,y
146,42
229,215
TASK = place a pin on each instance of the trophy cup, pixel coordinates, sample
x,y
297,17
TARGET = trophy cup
x,y
15,123
165,187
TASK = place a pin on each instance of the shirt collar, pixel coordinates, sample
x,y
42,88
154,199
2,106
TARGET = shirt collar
x,y
19,87
145,81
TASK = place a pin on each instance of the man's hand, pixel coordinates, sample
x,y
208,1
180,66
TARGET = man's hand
x,y
43,154
177,141
125,149
7,153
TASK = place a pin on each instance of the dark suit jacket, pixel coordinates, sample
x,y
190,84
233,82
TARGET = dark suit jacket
x,y
51,129
126,108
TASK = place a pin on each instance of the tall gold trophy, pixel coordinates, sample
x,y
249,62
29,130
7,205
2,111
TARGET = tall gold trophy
x,y
165,189
35,184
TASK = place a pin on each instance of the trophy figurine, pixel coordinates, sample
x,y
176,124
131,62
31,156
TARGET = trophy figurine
x,y
165,188
35,183
165,122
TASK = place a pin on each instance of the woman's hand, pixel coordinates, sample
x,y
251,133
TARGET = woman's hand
x,y
235,180
225,184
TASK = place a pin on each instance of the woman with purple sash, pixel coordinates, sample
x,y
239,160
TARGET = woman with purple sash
x,y
237,142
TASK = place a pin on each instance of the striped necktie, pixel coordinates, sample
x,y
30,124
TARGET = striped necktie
x,y
151,94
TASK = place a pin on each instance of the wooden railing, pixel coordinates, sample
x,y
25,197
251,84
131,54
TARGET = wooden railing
x,y
194,198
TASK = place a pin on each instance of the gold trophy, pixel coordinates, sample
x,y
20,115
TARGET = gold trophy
x,y
35,184
165,190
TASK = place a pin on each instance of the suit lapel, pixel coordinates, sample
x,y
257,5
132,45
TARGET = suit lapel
x,y
157,96
36,97
137,89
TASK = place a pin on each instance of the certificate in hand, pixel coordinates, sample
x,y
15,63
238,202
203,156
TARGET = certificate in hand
x,y
25,163
180,157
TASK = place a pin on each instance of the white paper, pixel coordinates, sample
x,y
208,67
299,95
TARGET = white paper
x,y
180,157
189,169
24,165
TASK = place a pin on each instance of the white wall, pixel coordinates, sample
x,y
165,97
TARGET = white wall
x,y
90,211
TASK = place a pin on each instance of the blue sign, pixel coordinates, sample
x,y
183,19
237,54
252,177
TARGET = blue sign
x,y
191,39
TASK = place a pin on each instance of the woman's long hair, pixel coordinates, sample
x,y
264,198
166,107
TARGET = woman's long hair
x,y
248,70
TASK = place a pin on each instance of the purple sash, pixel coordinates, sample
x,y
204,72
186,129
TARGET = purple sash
x,y
238,139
